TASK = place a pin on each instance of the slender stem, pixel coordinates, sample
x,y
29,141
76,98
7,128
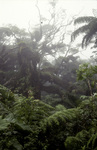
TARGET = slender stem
x,y
90,89
39,18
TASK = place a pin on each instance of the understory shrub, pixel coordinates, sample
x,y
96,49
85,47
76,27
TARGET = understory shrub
x,y
30,124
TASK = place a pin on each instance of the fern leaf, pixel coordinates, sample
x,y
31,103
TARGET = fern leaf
x,y
82,135
92,141
3,123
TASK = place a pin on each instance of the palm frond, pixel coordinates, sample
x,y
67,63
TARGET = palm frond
x,y
93,23
87,39
80,30
84,19
91,34
84,43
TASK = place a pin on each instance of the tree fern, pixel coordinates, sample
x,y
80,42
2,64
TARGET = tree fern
x,y
79,141
33,124
60,116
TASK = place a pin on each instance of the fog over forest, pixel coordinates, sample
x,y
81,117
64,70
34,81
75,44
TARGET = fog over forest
x,y
48,74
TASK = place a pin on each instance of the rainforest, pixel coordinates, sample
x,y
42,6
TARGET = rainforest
x,y
48,91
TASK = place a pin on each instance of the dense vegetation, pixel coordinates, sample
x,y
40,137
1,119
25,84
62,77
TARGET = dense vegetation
x,y
48,95
26,123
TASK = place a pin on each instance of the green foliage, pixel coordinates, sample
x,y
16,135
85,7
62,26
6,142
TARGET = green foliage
x,y
77,142
57,127
60,107
72,143
55,122
86,71
33,124
84,140
3,124
28,110
5,94
20,122
24,63
86,129
92,141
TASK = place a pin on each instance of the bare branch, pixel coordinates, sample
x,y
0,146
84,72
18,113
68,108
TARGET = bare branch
x,y
40,20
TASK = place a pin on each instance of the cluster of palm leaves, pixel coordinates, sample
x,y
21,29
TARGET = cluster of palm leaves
x,y
88,29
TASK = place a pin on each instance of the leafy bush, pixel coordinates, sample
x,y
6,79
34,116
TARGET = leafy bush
x,y
26,124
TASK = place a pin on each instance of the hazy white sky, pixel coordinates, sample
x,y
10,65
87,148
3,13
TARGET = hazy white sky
x,y
21,12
